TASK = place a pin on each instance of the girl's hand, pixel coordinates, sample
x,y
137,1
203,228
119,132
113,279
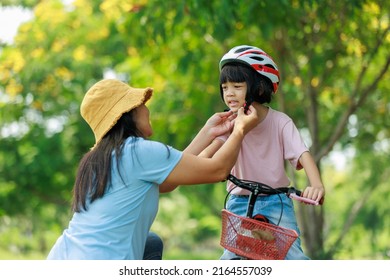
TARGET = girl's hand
x,y
316,193
316,190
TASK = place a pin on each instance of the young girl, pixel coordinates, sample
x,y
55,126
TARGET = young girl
x,y
249,76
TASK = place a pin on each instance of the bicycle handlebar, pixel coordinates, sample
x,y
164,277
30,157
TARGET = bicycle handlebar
x,y
257,188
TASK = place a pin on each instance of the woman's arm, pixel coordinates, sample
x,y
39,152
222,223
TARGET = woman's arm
x,y
192,170
316,190
212,148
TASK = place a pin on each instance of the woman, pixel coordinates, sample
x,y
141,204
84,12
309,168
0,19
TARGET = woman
x,y
118,182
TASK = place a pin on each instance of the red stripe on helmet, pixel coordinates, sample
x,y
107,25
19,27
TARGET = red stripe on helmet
x,y
262,68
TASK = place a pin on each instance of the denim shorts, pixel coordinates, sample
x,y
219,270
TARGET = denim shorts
x,y
269,206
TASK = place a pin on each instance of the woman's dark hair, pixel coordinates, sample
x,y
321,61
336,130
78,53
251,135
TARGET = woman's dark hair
x,y
94,169
259,88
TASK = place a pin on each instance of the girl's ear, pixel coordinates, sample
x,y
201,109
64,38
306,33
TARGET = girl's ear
x,y
259,88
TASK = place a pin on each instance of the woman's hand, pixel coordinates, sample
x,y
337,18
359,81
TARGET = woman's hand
x,y
220,123
245,122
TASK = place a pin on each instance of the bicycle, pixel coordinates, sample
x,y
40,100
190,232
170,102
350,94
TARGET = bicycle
x,y
254,237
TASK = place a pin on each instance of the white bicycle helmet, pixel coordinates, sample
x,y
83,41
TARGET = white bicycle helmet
x,y
257,59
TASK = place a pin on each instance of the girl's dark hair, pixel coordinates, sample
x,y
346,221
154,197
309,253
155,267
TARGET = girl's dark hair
x,y
94,169
260,88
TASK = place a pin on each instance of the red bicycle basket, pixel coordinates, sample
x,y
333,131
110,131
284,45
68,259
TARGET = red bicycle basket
x,y
253,239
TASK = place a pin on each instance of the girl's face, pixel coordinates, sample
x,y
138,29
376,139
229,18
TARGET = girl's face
x,y
234,95
143,121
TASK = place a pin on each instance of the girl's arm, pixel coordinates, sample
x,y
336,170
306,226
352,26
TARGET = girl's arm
x,y
316,190
192,169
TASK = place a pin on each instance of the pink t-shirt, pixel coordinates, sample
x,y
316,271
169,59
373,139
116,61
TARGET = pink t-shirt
x,y
264,151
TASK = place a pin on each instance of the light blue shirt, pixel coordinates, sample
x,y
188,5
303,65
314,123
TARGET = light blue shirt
x,y
116,226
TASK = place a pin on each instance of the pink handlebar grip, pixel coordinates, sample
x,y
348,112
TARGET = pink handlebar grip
x,y
303,199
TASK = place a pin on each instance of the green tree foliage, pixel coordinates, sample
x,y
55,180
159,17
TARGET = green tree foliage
x,y
333,57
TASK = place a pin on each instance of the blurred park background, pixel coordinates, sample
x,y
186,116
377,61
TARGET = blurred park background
x,y
334,59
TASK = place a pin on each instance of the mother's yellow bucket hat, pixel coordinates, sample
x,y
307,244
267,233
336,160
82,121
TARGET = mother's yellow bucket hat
x,y
107,100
